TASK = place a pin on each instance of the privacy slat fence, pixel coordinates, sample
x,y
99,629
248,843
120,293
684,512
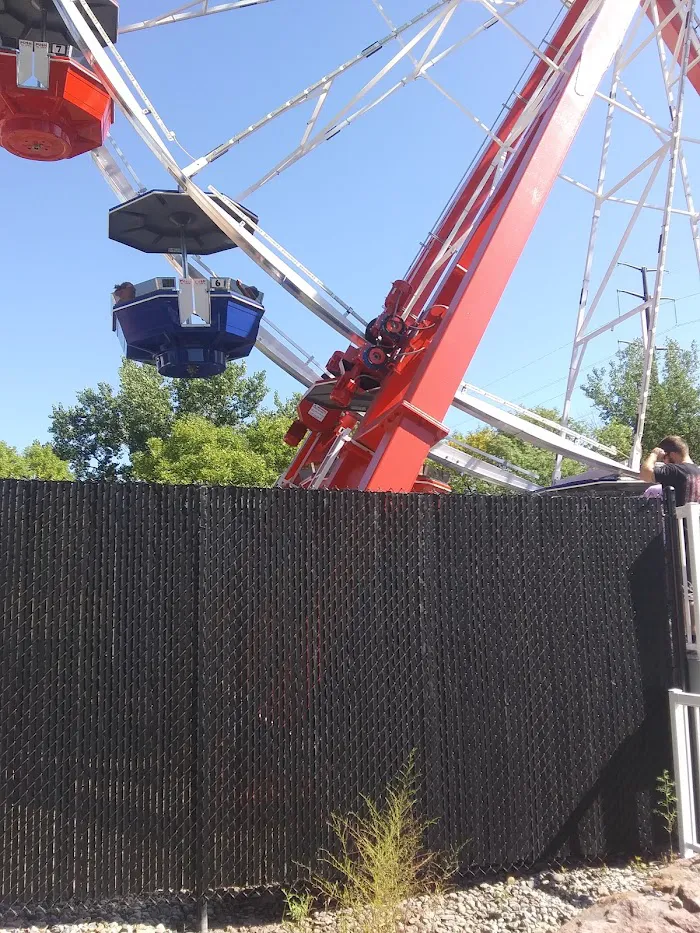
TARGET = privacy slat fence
x,y
194,679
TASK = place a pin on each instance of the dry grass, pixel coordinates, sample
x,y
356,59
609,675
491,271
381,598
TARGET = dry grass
x,y
382,861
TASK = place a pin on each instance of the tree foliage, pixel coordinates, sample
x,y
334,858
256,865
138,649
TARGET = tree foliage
x,y
101,434
197,450
90,435
674,396
38,461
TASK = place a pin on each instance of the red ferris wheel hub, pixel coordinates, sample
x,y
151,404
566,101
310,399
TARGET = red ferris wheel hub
x,y
36,139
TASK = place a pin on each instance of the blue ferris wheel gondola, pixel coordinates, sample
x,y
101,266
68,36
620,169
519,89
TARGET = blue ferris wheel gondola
x,y
189,328
150,329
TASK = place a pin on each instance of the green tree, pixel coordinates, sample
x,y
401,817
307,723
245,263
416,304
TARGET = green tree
x,y
102,432
615,435
229,399
265,436
198,451
144,404
89,435
38,461
674,395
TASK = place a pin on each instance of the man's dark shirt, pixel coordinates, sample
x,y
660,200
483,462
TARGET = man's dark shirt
x,y
684,477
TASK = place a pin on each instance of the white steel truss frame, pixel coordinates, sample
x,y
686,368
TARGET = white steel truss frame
x,y
676,154
346,115
319,90
670,153
516,426
519,410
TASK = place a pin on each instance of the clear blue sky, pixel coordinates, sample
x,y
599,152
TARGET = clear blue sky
x,y
354,211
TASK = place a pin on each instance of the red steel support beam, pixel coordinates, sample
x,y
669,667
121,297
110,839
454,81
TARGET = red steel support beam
x,y
393,441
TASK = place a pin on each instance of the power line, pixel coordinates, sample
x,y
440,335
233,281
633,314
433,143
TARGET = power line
x,y
605,359
539,359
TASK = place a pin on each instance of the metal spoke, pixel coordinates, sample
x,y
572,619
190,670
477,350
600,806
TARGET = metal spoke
x,y
187,12
312,92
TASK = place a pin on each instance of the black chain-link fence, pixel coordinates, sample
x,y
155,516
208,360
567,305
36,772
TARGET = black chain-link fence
x,y
194,680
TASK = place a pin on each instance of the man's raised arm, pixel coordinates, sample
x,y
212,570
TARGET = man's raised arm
x,y
647,471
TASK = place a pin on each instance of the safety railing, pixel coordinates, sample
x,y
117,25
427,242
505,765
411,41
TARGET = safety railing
x,y
685,731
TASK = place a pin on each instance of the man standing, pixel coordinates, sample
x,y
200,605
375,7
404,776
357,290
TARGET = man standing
x,y
670,465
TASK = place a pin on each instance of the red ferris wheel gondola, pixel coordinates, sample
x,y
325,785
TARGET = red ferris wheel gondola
x,y
71,116
52,106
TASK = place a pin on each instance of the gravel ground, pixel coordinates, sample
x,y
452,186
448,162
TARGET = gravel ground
x,y
532,904
535,903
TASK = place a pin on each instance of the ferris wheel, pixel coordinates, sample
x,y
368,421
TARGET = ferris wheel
x,y
376,410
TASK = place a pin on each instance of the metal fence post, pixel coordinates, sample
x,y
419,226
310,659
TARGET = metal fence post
x,y
202,802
